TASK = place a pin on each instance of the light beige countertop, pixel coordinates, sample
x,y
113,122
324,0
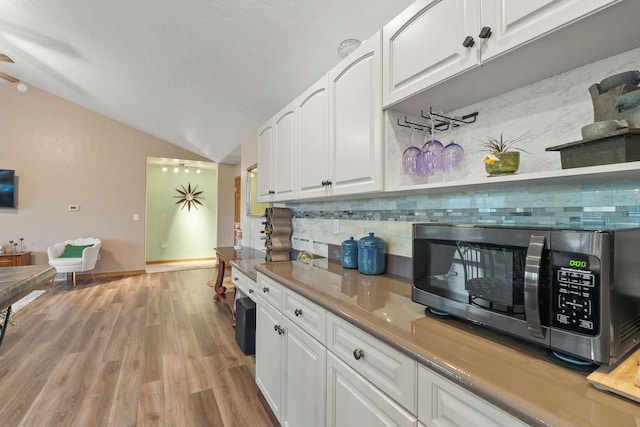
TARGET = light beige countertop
x,y
510,373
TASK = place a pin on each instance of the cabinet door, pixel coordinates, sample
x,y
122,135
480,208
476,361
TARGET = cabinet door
x,y
269,357
314,152
353,401
265,159
442,403
423,46
283,152
355,115
514,23
304,378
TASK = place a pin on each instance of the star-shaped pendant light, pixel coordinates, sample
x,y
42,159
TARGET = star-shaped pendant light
x,y
189,197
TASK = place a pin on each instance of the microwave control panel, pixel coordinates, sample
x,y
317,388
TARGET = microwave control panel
x,y
576,293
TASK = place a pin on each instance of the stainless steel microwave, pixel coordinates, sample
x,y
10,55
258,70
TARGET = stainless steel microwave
x,y
574,291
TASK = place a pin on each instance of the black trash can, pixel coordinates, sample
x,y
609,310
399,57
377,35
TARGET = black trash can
x,y
246,325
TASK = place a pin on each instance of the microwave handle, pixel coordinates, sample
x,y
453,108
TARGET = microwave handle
x,y
532,285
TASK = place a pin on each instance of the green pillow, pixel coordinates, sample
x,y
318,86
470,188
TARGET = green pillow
x,y
71,251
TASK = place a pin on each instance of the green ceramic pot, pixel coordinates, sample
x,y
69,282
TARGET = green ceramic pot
x,y
508,163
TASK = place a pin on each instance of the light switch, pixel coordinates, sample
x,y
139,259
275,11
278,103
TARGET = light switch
x,y
135,217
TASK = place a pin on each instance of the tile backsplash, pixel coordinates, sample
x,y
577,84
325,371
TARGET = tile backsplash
x,y
593,205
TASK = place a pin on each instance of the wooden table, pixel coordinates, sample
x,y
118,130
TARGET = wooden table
x,y
17,282
225,255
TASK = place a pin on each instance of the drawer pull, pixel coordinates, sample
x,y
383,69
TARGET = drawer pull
x,y
297,312
235,279
279,329
265,289
250,291
358,353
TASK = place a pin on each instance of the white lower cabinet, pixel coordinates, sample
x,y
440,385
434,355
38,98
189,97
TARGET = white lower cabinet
x,y
441,403
316,369
290,363
354,401
304,378
269,355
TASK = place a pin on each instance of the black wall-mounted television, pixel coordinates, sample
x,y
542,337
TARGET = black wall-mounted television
x,y
7,188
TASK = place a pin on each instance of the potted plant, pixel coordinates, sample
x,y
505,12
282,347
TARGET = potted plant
x,y
503,157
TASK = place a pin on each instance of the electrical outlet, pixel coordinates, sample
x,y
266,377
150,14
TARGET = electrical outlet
x,y
336,226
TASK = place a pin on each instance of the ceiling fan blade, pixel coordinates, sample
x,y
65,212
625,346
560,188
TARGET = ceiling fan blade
x,y
5,58
8,78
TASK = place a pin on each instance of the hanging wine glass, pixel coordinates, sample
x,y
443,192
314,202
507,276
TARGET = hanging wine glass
x,y
452,153
434,146
410,158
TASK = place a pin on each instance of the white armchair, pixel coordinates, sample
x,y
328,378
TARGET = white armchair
x,y
74,256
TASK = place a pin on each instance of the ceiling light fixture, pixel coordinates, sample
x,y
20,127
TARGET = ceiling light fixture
x,y
22,88
176,168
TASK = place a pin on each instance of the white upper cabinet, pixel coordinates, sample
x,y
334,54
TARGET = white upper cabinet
x,y
435,40
355,117
284,152
266,189
513,23
424,45
314,167
276,151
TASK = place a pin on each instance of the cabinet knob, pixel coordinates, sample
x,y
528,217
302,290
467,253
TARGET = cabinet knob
x,y
250,291
358,353
468,42
297,312
235,279
279,329
272,192
329,182
485,33
265,289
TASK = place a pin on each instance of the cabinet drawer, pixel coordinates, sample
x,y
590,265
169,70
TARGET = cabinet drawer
x,y
244,283
388,369
353,401
441,402
270,290
306,314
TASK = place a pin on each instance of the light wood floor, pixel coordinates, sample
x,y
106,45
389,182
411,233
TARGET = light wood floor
x,y
148,350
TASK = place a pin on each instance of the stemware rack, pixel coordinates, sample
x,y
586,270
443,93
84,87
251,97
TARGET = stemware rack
x,y
277,231
440,122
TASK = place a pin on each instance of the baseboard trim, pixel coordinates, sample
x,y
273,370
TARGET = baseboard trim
x,y
168,261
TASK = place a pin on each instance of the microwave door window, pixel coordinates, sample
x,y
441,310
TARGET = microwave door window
x,y
488,276
494,276
443,273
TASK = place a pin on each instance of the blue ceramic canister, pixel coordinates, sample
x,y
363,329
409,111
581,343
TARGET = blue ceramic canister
x,y
371,255
350,253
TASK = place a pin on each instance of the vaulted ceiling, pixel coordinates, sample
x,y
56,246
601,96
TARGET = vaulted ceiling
x,y
200,74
